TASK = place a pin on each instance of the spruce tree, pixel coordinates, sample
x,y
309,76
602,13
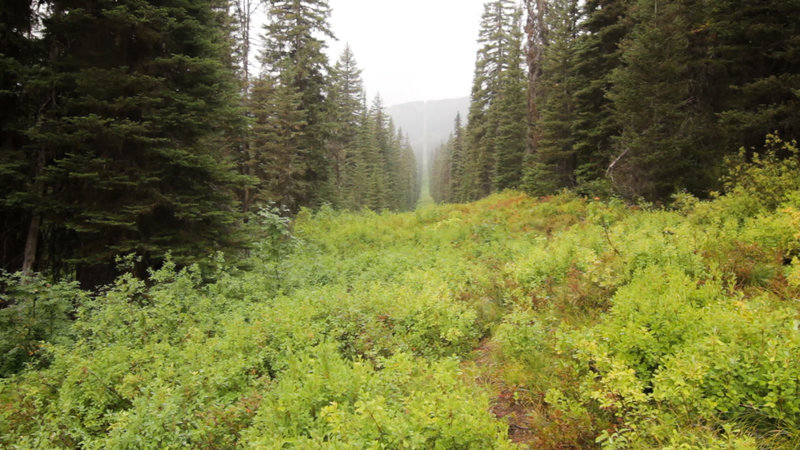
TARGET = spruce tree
x,y
659,103
409,187
19,53
346,102
495,35
399,181
359,167
511,110
244,14
378,192
553,162
457,162
131,144
440,175
597,55
276,162
536,32
293,57
754,55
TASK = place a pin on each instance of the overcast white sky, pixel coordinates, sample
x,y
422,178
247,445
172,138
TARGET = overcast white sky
x,y
410,50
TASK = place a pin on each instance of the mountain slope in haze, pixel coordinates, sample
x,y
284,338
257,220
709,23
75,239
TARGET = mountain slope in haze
x,y
428,123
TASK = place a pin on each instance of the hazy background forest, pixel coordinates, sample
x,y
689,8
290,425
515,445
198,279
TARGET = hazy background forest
x,y
211,232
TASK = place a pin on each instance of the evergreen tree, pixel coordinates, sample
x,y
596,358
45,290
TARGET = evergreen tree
x,y
398,183
457,162
553,162
293,57
597,55
20,52
389,144
359,168
378,192
536,33
440,174
380,169
243,13
131,143
495,39
346,101
511,110
409,189
756,64
277,164
659,103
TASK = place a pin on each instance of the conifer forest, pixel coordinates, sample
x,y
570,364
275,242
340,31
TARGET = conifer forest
x,y
212,237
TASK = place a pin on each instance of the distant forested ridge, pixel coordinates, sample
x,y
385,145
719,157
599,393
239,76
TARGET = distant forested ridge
x,y
137,127
637,98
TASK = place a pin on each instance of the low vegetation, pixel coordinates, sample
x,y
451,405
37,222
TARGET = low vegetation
x,y
548,322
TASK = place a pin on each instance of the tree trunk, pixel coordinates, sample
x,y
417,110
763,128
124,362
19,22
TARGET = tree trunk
x,y
32,239
31,245
536,31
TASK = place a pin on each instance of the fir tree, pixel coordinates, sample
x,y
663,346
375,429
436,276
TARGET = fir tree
x,y
536,33
755,60
293,57
457,162
492,60
409,180
131,143
243,13
552,163
659,103
346,101
277,164
511,110
378,191
20,53
358,170
440,175
597,56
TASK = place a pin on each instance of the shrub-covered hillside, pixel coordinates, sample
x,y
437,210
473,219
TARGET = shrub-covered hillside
x,y
549,322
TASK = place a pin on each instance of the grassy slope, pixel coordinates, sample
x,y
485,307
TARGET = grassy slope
x,y
571,318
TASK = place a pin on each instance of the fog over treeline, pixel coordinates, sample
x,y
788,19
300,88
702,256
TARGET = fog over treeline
x,y
428,123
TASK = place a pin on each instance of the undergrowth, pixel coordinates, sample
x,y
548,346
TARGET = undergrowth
x,y
606,325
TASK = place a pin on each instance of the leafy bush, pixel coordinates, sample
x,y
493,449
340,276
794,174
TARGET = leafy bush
x,y
324,401
763,182
523,337
595,323
658,311
32,311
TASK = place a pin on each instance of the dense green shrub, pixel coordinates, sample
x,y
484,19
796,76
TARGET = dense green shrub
x,y
636,326
32,311
325,401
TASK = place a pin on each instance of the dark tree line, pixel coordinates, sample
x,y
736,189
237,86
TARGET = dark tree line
x,y
634,97
136,127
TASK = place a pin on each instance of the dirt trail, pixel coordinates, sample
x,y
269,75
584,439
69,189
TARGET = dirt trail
x,y
505,404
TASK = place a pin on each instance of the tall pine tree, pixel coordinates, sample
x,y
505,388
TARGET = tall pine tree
x,y
131,143
511,110
497,41
346,102
294,60
553,161
756,62
457,162
20,100
597,55
659,102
